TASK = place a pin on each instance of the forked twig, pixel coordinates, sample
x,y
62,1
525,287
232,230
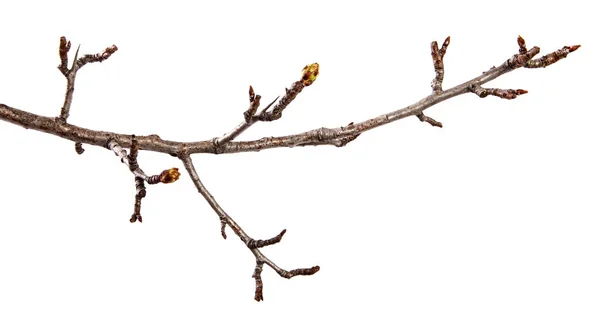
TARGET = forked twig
x,y
253,245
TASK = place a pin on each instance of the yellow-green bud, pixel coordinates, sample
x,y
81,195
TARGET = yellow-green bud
x,y
310,73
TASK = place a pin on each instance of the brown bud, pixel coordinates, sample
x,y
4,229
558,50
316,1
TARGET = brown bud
x,y
169,176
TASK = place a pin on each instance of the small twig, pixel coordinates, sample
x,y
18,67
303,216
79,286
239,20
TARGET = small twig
x,y
552,57
258,293
70,74
140,193
429,120
309,75
437,55
288,97
502,93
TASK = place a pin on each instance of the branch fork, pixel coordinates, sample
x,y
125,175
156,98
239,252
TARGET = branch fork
x,y
140,178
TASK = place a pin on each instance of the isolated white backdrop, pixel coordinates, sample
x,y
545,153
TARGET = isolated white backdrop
x,y
495,216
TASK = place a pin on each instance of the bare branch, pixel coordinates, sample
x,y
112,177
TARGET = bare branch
x,y
309,75
338,136
502,93
258,293
429,120
548,59
263,243
70,74
63,51
437,55
252,244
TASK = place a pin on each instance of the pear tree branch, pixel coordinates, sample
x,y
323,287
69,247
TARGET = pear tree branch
x,y
228,143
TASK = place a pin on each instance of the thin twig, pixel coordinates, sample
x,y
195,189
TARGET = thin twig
x,y
502,93
250,243
70,74
429,120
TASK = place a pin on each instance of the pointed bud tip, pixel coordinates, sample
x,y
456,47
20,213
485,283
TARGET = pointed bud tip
x,y
574,48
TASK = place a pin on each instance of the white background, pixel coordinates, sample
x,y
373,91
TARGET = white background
x,y
495,216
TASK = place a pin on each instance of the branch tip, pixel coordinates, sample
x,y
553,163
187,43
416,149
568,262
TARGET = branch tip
x,y
310,73
255,244
258,292
429,120
502,93
251,94
304,271
223,225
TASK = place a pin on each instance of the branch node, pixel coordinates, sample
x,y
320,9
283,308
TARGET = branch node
x,y
63,50
254,104
521,59
301,272
551,58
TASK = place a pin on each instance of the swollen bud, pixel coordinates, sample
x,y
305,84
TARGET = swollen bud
x,y
310,73
168,176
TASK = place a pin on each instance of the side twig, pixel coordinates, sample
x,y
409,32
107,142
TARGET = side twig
x,y
250,243
166,176
70,74
309,75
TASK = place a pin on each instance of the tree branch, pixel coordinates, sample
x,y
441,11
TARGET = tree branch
x,y
78,63
252,244
338,136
